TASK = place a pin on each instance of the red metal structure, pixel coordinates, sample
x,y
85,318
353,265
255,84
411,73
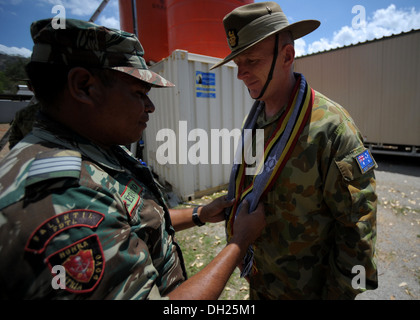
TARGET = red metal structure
x,y
166,25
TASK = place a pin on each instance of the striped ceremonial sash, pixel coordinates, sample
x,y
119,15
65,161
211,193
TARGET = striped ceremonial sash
x,y
277,150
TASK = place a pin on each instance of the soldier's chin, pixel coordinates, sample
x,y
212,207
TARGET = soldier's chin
x,y
254,94
143,126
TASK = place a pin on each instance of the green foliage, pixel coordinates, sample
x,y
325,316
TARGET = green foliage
x,y
4,82
12,73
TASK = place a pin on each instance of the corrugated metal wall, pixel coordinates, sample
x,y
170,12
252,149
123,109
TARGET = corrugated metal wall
x,y
378,82
223,106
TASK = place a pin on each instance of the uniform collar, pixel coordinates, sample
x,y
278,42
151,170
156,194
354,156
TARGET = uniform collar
x,y
49,130
263,120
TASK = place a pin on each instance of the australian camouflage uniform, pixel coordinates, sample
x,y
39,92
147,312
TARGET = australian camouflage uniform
x,y
317,182
320,212
97,213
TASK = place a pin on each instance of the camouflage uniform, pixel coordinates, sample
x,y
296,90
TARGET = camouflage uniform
x,y
321,210
321,213
73,214
97,213
83,43
23,122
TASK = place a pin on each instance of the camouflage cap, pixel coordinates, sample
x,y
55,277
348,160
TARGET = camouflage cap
x,y
82,43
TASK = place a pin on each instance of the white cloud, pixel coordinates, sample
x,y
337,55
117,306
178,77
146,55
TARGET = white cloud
x,y
83,9
321,45
384,22
80,8
110,16
15,51
109,22
300,46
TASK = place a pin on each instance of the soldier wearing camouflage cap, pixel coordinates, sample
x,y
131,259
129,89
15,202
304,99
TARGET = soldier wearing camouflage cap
x,y
79,217
316,179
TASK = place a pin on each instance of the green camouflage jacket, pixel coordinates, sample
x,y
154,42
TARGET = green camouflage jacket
x,y
321,214
76,215
23,122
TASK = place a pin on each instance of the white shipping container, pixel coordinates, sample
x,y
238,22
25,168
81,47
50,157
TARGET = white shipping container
x,y
378,83
183,140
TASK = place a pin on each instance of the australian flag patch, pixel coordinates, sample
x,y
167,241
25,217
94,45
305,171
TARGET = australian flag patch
x,y
365,161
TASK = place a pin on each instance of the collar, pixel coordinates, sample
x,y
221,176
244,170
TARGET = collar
x,y
263,121
47,129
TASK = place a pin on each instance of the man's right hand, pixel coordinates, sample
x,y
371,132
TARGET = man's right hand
x,y
248,226
208,284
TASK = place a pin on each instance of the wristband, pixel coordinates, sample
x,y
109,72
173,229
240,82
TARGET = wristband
x,y
196,219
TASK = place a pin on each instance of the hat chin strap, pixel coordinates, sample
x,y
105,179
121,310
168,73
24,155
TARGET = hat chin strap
x,y
273,65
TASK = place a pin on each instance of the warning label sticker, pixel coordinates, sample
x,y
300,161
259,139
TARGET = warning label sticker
x,y
205,84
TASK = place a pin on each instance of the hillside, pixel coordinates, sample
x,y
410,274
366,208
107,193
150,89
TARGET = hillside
x,y
12,71
6,60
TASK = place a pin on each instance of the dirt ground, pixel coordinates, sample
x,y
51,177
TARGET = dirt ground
x,y
398,227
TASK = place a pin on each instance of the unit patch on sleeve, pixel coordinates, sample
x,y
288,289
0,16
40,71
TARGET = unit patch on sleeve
x,y
83,262
365,161
53,226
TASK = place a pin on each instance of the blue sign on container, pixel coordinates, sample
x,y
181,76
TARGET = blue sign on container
x,y
205,84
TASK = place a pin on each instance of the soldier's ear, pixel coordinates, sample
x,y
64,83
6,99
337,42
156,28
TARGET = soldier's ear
x,y
288,55
82,85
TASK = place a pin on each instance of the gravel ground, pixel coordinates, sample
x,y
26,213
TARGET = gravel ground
x,y
398,229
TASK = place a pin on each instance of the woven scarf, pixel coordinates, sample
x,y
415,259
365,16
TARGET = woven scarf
x,y
277,151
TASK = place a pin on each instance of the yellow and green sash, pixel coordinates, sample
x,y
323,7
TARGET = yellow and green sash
x,y
277,151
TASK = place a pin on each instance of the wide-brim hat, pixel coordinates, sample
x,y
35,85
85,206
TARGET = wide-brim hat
x,y
82,43
250,24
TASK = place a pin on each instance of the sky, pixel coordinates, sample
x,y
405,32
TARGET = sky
x,y
342,22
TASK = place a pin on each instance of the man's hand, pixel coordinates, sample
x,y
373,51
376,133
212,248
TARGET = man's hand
x,y
208,284
248,226
214,211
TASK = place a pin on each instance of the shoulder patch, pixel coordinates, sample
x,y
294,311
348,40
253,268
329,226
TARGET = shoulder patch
x,y
131,196
53,226
54,164
365,161
83,262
